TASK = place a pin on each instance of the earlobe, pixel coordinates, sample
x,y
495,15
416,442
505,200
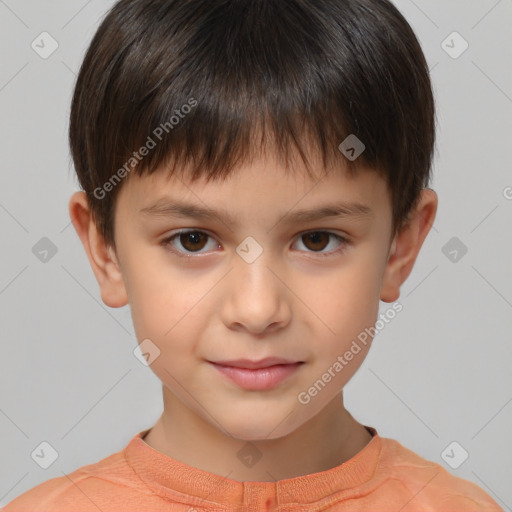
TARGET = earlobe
x,y
102,258
407,244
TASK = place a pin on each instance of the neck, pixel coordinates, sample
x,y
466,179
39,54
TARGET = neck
x,y
327,440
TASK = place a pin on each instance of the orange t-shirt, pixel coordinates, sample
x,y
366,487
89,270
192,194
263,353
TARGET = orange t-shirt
x,y
383,476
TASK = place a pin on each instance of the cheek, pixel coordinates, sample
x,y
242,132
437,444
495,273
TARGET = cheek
x,y
169,306
345,300
346,306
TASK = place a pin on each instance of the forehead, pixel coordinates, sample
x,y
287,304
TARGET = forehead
x,y
261,187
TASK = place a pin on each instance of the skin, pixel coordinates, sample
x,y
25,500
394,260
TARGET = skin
x,y
290,302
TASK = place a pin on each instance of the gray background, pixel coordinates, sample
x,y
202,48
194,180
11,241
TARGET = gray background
x,y
438,373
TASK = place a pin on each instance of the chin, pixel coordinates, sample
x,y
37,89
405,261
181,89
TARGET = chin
x,y
256,427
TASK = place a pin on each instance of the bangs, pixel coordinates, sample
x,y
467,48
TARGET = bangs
x,y
224,93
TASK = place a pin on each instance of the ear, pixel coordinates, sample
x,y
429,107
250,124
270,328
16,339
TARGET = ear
x,y
407,244
103,259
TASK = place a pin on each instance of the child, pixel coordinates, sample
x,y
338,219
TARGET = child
x,y
254,129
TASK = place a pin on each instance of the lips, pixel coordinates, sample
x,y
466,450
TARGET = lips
x,y
259,375
256,365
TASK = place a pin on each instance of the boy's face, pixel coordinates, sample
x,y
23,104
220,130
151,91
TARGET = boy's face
x,y
212,296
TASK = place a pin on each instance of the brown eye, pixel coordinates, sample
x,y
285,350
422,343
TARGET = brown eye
x,y
193,240
190,241
316,241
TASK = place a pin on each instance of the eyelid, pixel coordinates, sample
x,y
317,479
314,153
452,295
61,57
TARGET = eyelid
x,y
344,240
167,241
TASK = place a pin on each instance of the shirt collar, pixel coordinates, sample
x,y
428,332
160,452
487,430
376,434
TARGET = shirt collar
x,y
175,480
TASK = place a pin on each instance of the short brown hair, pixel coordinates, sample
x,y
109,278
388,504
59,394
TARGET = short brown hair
x,y
249,72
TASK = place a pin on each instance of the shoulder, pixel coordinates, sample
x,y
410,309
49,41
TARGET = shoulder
x,y
91,487
429,484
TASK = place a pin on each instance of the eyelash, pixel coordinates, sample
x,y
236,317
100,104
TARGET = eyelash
x,y
167,243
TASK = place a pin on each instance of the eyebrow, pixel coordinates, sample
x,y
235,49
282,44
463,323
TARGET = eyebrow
x,y
176,208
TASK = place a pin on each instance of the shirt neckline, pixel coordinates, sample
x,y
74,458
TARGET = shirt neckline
x,y
171,478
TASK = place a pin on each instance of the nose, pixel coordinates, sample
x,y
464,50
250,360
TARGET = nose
x,y
256,298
